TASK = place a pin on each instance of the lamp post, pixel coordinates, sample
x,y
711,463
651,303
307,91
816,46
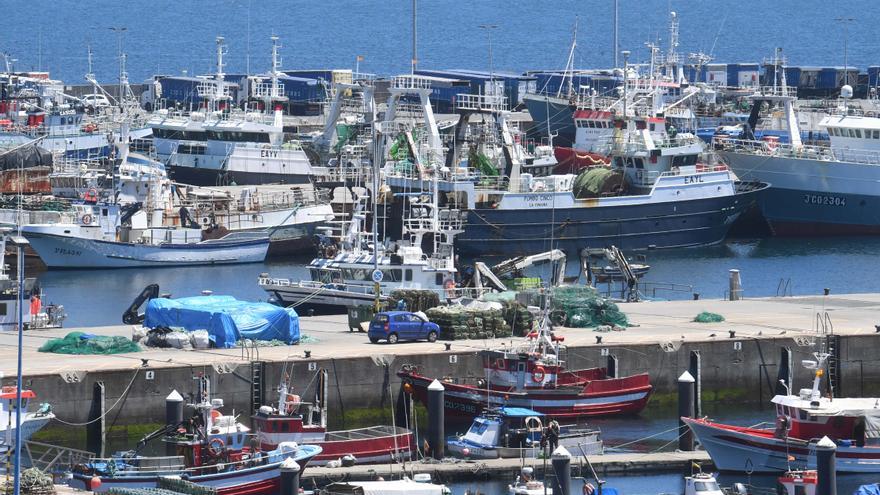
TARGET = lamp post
x,y
625,54
488,28
120,32
20,243
845,21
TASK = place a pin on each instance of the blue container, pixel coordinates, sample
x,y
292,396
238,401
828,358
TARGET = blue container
x,y
873,75
828,77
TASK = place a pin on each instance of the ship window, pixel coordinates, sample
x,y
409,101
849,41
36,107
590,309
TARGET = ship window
x,y
876,134
706,486
408,275
802,415
285,427
639,163
629,163
618,162
859,133
800,490
438,280
3,309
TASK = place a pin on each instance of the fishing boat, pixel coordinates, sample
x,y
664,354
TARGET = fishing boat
x,y
419,484
31,421
801,419
212,450
129,231
532,375
516,432
228,147
816,190
657,194
526,484
293,420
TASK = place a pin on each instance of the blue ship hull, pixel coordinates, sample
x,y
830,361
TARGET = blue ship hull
x,y
552,112
801,213
676,224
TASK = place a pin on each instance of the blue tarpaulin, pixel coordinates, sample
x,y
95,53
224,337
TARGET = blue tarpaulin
x,y
873,489
226,319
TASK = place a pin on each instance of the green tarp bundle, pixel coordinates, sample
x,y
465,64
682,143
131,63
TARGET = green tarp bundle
x,y
707,317
83,343
596,182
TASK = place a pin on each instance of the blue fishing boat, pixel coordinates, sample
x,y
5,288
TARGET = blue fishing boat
x,y
515,432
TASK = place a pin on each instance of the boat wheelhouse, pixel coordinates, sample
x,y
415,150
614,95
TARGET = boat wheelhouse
x,y
517,432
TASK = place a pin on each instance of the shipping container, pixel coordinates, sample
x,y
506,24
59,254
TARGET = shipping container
x,y
326,75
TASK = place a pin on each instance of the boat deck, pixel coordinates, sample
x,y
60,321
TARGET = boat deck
x,y
666,323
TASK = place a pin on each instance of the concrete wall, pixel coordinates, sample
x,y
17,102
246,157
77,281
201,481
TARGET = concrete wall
x,y
732,369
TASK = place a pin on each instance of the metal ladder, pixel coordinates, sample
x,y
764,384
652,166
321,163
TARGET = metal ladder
x,y
257,368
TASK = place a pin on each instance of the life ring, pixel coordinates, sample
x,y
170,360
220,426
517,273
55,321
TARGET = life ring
x,y
216,446
539,374
86,219
449,285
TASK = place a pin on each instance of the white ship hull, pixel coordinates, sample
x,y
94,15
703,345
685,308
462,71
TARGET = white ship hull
x,y
59,251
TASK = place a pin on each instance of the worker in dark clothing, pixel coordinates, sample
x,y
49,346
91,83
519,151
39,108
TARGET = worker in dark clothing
x,y
553,435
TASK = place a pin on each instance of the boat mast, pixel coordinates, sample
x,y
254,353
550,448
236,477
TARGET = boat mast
x,y
615,47
415,57
569,64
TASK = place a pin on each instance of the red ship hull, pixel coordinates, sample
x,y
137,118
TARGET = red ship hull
x,y
579,399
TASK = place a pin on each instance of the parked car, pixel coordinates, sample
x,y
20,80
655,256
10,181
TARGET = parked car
x,y
394,326
95,101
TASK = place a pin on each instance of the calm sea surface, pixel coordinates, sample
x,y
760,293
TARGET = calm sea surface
x,y
169,36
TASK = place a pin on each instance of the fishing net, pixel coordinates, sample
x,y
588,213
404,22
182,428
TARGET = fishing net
x,y
596,182
458,323
33,482
583,307
415,299
707,317
84,343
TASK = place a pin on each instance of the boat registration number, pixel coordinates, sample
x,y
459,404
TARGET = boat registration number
x,y
821,199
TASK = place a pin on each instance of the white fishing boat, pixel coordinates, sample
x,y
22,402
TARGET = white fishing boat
x,y
130,231
31,422
229,147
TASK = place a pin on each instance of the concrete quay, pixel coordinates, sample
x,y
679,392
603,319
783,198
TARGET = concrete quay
x,y
737,366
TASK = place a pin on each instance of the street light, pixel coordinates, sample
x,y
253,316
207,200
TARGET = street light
x,y
845,21
489,28
20,243
625,54
120,32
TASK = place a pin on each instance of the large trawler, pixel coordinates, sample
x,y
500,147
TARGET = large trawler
x,y
660,196
815,190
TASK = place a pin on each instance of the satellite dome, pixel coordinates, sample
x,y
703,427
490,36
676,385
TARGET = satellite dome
x,y
846,91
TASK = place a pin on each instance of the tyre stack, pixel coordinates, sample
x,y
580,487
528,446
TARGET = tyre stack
x,y
458,323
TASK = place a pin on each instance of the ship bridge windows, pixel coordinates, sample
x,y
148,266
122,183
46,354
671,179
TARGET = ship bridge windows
x,y
239,136
684,160
858,133
179,135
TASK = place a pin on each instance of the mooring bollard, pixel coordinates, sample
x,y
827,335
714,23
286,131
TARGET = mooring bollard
x,y
686,385
436,435
173,416
735,285
561,460
289,477
826,452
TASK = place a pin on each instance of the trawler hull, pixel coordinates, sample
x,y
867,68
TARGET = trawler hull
x,y
649,225
812,197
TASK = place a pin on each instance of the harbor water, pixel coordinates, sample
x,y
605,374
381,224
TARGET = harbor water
x,y
768,267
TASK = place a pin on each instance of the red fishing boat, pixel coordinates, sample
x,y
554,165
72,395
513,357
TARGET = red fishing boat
x,y
293,420
534,377
853,424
